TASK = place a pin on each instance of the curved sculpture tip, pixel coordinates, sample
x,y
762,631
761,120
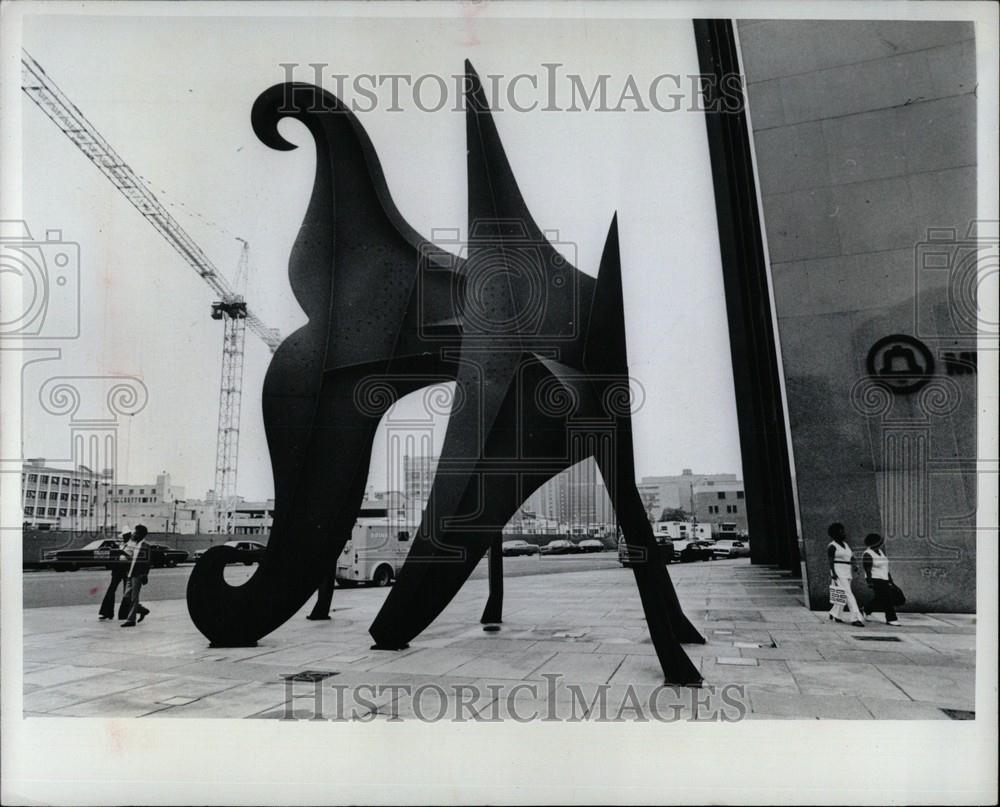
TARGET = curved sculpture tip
x,y
293,99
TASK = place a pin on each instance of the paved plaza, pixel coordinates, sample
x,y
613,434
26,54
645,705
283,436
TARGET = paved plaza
x,y
573,645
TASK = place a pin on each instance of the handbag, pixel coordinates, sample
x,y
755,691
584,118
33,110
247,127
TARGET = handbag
x,y
896,596
837,595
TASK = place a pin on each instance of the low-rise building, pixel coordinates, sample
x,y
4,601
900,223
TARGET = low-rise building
x,y
721,503
672,492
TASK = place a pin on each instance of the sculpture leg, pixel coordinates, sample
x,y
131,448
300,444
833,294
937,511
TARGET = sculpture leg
x,y
324,598
668,626
441,559
493,613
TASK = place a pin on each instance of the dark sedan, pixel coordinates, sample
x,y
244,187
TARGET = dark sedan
x,y
105,554
161,555
687,551
518,547
559,547
248,552
665,548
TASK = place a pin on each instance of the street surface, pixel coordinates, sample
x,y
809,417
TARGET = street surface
x,y
47,588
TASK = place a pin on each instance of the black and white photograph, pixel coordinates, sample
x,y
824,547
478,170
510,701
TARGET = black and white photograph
x,y
499,402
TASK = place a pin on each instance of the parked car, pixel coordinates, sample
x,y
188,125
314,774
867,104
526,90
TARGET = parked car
x,y
160,556
518,547
665,548
687,550
100,554
730,548
590,545
248,551
560,546
105,554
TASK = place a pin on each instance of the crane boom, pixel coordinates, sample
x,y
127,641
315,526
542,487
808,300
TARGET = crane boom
x,y
72,122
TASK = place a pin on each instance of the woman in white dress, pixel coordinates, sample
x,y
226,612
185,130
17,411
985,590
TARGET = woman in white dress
x,y
841,558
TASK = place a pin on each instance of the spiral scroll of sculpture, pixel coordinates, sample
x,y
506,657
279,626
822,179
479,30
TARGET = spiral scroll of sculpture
x,y
510,321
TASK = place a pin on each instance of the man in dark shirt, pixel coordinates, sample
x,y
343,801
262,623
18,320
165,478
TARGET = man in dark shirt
x,y
138,569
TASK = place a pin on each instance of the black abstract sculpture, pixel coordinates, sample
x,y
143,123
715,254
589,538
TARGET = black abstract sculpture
x,y
536,350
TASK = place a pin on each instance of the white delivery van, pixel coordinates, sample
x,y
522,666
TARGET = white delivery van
x,y
374,553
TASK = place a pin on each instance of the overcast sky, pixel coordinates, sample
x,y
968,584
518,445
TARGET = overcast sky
x,y
173,96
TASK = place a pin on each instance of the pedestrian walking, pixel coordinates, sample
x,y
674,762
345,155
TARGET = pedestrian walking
x,y
841,558
876,565
137,574
118,575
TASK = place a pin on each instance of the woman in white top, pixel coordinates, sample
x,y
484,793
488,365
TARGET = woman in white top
x,y
841,558
876,566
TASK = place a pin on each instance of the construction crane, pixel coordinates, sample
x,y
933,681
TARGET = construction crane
x,y
233,313
231,307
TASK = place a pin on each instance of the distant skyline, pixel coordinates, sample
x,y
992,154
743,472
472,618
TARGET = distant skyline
x,y
183,123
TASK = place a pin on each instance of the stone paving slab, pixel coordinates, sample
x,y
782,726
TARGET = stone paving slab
x,y
902,710
948,687
807,706
503,664
843,678
586,628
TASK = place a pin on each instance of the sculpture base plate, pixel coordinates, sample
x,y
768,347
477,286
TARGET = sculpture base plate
x,y
378,646
233,644
491,627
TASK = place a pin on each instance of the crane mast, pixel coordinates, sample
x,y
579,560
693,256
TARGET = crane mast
x,y
230,307
233,313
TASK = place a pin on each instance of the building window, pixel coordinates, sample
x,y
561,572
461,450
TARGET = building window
x,y
65,481
44,479
32,477
739,494
72,511
62,511
29,494
29,511
84,498
43,495
52,511
64,497
721,494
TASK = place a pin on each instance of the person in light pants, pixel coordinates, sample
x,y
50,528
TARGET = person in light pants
x,y
137,571
841,558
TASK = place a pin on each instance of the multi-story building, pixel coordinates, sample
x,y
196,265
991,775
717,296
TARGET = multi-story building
x,y
156,504
575,497
721,503
158,492
662,492
61,498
